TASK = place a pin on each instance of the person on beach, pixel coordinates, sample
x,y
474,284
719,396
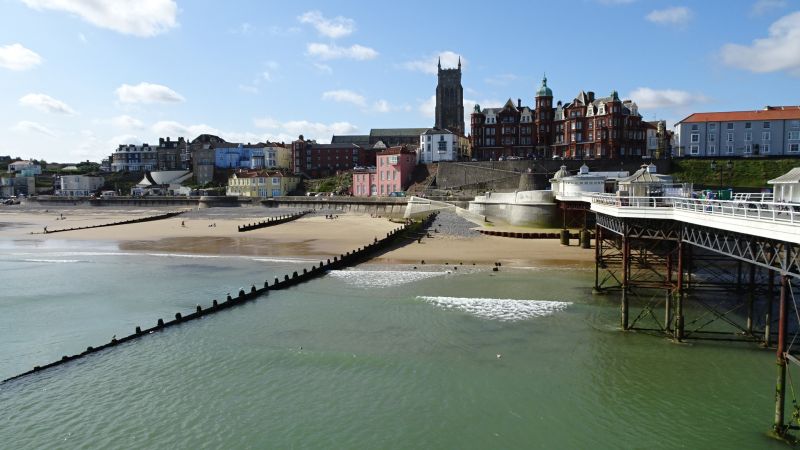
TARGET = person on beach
x,y
183,224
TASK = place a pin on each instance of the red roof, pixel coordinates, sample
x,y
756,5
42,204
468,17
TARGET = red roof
x,y
768,113
396,151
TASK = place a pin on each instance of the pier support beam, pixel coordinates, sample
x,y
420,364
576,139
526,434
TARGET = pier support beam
x,y
598,255
626,262
779,427
768,313
751,295
678,334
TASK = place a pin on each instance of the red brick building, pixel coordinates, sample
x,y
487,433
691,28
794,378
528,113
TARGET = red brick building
x,y
320,160
585,128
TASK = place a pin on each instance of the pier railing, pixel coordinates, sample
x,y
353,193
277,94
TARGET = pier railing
x,y
745,207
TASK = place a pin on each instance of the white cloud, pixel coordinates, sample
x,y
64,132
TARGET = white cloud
x,y
428,107
17,57
125,139
430,64
382,106
147,93
269,73
126,122
289,131
27,126
47,104
333,28
666,98
779,51
677,16
332,51
764,6
324,68
143,18
345,96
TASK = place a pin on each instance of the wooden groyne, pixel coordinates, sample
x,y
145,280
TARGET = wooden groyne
x,y
123,222
526,235
339,262
272,221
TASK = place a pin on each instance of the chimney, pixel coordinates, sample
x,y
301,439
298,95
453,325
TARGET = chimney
x,y
519,103
590,94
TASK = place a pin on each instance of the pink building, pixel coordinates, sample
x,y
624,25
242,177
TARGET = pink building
x,y
392,173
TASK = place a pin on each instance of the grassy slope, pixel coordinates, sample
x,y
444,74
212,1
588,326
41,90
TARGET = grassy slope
x,y
746,172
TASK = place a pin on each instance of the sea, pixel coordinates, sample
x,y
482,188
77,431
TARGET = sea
x,y
373,357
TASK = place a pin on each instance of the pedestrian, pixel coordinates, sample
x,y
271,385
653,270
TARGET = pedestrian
x,y
183,224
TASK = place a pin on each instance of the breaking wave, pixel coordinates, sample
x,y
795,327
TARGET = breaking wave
x,y
382,278
503,309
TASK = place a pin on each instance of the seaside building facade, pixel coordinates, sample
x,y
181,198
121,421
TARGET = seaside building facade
x,y
172,154
254,183
239,156
585,128
442,145
772,131
134,158
78,185
392,173
25,168
320,160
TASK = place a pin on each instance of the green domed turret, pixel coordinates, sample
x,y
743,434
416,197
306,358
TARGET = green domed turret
x,y
544,91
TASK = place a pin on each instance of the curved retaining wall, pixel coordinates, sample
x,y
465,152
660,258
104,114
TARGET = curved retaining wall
x,y
339,262
124,222
272,221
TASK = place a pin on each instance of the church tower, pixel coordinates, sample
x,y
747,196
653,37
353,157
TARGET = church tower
x,y
450,99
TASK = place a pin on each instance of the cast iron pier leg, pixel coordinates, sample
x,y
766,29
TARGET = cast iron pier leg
x,y
626,256
780,387
679,296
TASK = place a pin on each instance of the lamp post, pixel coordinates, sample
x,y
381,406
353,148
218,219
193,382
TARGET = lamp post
x,y
728,168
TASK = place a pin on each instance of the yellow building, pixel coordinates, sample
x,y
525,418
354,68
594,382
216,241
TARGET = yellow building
x,y
281,155
261,184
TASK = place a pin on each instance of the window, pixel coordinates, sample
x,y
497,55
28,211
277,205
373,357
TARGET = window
x,y
766,125
748,148
442,146
694,149
712,137
712,127
765,148
794,123
729,149
748,125
695,137
276,181
712,149
794,135
730,125
748,136
794,148
766,136
695,127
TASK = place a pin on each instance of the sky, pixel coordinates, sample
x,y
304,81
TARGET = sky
x,y
80,77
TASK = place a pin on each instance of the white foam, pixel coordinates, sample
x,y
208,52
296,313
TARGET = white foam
x,y
382,278
182,255
503,309
284,260
53,260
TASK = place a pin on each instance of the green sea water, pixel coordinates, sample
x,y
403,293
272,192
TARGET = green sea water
x,y
378,357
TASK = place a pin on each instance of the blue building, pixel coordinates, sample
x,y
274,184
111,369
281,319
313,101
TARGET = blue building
x,y
239,156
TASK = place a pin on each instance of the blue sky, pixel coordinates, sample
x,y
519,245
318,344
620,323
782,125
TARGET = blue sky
x,y
81,76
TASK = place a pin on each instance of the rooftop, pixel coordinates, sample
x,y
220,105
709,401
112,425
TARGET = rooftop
x,y
768,113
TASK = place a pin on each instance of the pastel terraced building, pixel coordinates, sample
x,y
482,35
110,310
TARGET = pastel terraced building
x,y
247,183
392,173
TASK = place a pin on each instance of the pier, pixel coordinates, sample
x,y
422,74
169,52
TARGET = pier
x,y
735,261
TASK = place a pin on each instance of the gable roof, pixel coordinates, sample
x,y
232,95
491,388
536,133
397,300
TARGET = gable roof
x,y
790,177
769,113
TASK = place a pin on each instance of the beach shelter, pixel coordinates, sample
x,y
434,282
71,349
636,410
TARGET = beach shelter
x,y
787,186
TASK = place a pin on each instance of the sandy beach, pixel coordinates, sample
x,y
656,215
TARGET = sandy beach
x,y
214,232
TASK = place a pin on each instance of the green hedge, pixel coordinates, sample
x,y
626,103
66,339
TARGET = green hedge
x,y
752,173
